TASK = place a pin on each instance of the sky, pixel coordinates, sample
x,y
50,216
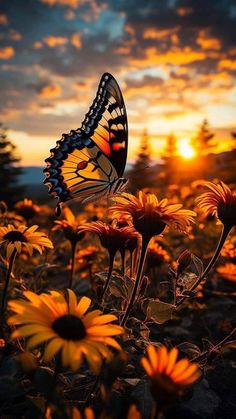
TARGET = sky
x,y
175,61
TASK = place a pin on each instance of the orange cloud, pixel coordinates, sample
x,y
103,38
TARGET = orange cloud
x,y
14,35
207,42
122,50
3,20
50,91
70,15
176,56
227,64
154,33
6,53
54,41
183,11
76,40
37,45
70,3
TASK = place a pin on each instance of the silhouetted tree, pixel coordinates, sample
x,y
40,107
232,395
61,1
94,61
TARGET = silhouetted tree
x,y
202,142
141,175
171,148
169,157
10,191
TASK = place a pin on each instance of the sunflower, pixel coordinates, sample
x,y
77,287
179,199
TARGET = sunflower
x,y
169,377
27,209
219,201
149,215
23,238
65,328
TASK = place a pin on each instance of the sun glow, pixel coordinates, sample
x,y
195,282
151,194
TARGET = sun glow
x,y
185,149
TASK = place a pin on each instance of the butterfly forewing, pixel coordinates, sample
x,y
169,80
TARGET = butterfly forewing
x,y
87,163
106,122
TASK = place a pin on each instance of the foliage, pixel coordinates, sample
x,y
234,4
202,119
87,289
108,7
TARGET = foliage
x,y
9,169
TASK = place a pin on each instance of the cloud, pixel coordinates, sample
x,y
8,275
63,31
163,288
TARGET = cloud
x,y
184,11
155,33
14,35
76,40
6,53
3,19
70,15
207,42
227,64
49,91
176,56
70,3
55,41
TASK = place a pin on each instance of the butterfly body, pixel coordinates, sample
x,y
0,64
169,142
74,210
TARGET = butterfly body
x,y
89,162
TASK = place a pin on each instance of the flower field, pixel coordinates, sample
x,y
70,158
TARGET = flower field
x,y
123,308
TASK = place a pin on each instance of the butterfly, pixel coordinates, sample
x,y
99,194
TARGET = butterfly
x,y
89,162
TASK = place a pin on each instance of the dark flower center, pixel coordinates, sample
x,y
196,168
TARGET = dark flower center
x,y
69,327
15,236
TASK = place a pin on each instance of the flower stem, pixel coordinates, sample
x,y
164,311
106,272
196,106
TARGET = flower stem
x,y
52,386
224,234
111,262
72,264
10,267
144,248
122,253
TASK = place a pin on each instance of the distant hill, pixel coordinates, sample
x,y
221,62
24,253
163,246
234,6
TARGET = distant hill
x,y
32,175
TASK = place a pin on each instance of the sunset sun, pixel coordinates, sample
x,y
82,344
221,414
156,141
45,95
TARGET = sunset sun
x,y
185,149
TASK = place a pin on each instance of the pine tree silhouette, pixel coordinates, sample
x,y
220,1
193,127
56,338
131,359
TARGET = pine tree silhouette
x,y
141,176
169,157
10,191
202,142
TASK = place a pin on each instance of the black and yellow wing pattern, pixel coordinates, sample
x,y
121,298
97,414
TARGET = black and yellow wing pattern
x,y
89,162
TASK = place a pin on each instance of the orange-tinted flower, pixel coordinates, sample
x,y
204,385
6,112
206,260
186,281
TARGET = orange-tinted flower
x,y
229,249
9,217
156,255
26,209
133,412
228,271
219,201
169,377
112,238
150,216
23,238
69,226
73,413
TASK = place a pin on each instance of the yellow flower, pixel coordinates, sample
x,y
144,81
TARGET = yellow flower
x,y
73,413
23,238
69,226
133,412
150,216
156,255
228,271
65,328
219,201
26,209
169,377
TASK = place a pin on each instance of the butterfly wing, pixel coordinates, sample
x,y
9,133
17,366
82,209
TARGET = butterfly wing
x,y
86,162
106,122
